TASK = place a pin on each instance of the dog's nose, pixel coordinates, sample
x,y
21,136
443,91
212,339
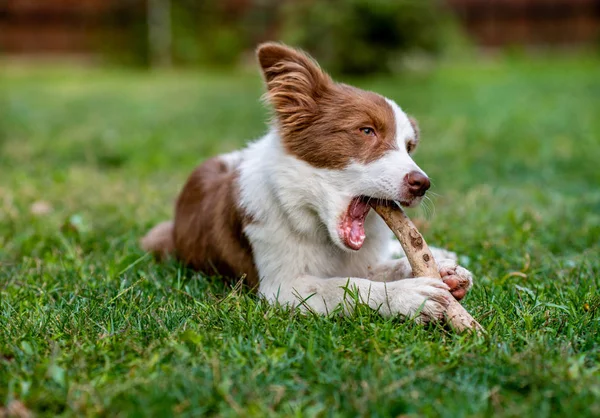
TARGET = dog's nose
x,y
417,182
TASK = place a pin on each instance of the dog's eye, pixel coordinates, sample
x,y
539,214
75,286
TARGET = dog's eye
x,y
368,131
410,147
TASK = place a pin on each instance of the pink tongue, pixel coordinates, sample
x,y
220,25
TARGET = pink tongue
x,y
355,232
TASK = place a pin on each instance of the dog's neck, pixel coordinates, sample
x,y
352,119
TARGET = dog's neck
x,y
277,187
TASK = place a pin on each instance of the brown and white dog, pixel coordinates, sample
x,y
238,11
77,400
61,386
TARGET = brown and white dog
x,y
290,211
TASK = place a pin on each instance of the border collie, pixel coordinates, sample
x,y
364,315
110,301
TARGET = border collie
x,y
290,212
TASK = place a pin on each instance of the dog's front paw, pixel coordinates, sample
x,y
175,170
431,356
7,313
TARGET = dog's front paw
x,y
458,279
424,299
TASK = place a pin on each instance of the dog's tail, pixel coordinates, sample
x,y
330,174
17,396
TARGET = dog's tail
x,y
159,240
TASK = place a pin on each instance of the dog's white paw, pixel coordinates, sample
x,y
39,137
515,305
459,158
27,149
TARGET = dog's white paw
x,y
424,299
458,279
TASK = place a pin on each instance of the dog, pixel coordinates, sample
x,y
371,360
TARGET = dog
x,y
290,212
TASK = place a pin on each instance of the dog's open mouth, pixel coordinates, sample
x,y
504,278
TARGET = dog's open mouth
x,y
352,224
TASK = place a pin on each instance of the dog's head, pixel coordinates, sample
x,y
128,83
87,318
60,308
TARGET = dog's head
x,y
358,142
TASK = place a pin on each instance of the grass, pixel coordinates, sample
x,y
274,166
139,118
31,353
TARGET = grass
x,y
91,326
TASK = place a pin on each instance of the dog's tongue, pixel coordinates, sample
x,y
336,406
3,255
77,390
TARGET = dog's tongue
x,y
353,224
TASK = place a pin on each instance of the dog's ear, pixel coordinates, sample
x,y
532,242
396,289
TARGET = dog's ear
x,y
415,126
294,83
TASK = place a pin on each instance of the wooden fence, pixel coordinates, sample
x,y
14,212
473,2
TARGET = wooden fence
x,y
84,26
530,22
63,26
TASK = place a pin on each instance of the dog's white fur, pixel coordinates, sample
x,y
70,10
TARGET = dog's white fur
x,y
297,250
299,256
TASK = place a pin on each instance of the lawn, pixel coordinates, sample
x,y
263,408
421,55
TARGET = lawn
x,y
89,325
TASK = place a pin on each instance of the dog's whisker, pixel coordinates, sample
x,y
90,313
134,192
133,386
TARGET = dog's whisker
x,y
429,207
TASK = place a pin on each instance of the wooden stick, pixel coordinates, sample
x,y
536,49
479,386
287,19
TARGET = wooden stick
x,y
421,260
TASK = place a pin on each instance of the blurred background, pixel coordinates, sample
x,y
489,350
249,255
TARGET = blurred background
x,y
347,36
129,95
107,105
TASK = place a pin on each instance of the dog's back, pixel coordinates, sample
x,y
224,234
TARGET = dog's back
x,y
207,233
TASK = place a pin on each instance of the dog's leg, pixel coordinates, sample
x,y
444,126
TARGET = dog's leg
x,y
395,251
459,279
390,270
423,298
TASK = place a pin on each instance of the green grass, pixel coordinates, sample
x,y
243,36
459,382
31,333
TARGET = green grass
x,y
89,325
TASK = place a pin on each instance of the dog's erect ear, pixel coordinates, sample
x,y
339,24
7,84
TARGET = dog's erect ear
x,y
294,83
277,60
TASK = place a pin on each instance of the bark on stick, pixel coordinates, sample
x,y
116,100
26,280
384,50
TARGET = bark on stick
x,y
421,260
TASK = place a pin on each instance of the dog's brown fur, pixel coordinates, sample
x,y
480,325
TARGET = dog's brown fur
x,y
320,121
208,232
